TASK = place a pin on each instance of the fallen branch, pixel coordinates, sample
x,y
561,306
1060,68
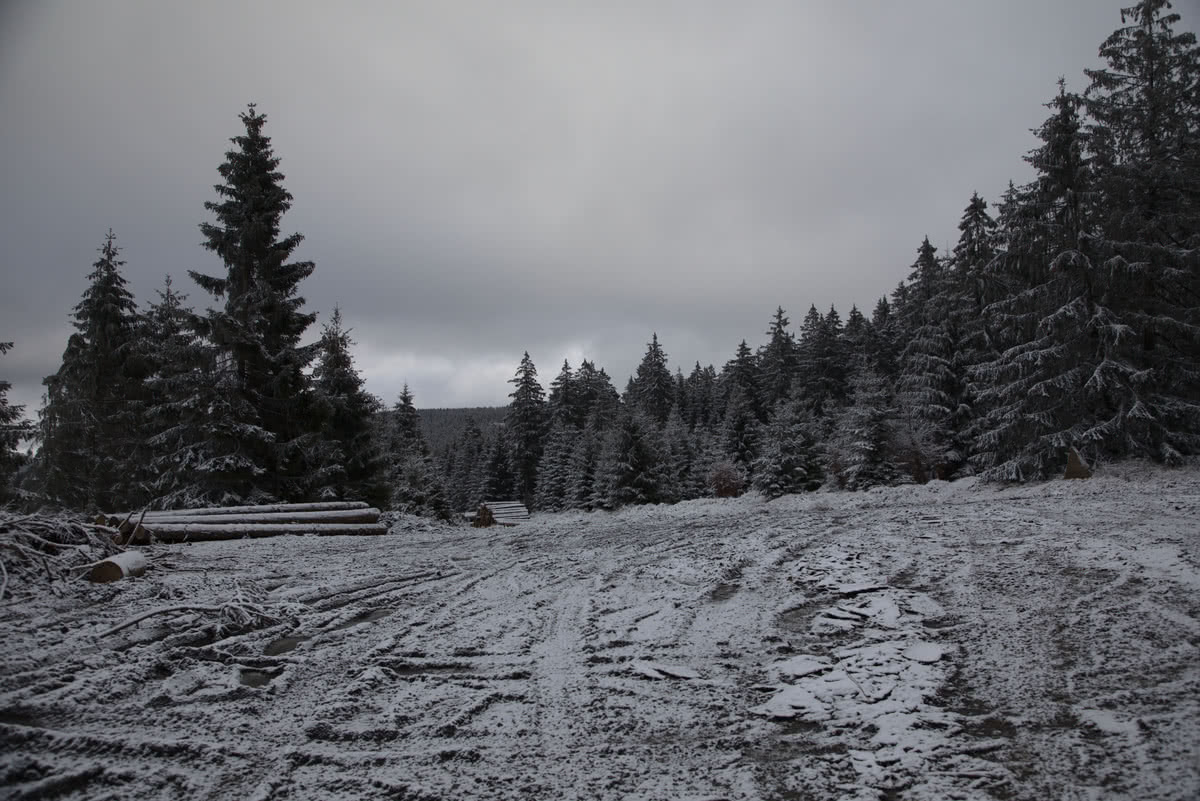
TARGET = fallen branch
x,y
239,613
162,610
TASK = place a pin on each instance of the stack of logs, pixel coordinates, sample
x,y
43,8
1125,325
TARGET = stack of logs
x,y
236,522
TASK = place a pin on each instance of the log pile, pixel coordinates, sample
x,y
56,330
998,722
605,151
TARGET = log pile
x,y
500,513
236,522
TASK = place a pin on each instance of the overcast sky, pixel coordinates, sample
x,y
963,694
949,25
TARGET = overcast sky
x,y
477,179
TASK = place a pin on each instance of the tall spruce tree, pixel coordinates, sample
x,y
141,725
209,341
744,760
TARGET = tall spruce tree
x,y
91,421
1145,139
740,374
653,388
351,463
415,482
182,420
526,425
777,361
257,331
1041,394
927,389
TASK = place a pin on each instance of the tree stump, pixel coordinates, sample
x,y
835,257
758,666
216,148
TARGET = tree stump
x,y
1076,466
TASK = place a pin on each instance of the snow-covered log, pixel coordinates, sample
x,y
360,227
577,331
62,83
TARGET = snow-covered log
x,y
166,531
118,566
348,516
324,506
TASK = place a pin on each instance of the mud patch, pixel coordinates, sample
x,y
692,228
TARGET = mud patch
x,y
285,644
369,616
723,592
256,678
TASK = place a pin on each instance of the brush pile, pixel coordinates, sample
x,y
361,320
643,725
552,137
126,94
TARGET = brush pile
x,y
49,548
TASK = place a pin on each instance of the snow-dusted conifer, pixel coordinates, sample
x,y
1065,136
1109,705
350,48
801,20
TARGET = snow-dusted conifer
x,y
790,461
257,331
861,453
740,430
653,389
13,428
90,423
415,483
525,425
632,463
777,360
351,463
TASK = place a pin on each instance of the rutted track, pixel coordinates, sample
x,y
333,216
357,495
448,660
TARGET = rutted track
x,y
899,644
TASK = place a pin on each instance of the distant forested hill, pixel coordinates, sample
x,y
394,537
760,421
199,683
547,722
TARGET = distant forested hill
x,y
442,427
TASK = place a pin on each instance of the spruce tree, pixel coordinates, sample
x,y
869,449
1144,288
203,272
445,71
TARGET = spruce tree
x,y
257,331
581,490
1145,140
466,475
777,360
553,476
91,422
632,464
653,389
563,402
414,481
790,461
862,451
181,396
13,428
1047,392
740,430
525,425
594,394
702,392
351,463
740,374
927,389
680,444
497,479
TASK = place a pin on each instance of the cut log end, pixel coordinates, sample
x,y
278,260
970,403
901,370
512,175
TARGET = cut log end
x,y
119,566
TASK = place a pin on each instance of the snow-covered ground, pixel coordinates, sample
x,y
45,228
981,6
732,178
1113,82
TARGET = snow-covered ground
x,y
952,641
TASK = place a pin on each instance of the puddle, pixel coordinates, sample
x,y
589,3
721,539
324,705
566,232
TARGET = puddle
x,y
285,644
364,617
255,678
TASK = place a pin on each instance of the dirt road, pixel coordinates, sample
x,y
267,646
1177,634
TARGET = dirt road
x,y
916,643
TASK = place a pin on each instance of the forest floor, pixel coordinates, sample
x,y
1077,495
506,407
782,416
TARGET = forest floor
x,y
952,641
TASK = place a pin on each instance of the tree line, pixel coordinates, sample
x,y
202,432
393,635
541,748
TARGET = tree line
x,y
169,407
1068,319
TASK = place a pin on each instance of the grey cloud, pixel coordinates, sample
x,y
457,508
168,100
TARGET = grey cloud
x,y
478,180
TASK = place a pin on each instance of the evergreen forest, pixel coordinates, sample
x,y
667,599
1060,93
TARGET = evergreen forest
x,y
1065,317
